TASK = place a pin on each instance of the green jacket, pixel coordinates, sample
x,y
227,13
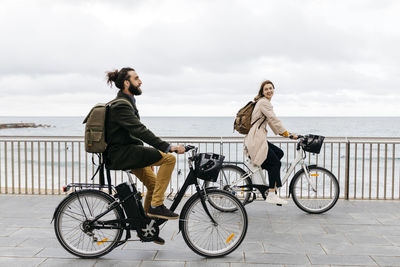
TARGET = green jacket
x,y
125,135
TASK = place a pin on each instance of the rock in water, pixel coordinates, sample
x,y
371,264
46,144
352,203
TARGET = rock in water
x,y
22,125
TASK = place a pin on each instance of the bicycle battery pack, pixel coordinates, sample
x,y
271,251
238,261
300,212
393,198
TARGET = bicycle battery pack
x,y
129,197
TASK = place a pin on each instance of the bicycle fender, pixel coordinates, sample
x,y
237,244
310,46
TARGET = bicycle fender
x,y
58,207
184,208
298,174
188,202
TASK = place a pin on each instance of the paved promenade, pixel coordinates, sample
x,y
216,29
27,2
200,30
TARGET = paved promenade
x,y
364,233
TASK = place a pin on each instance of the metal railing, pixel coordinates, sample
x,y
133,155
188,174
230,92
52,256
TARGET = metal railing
x,y
367,168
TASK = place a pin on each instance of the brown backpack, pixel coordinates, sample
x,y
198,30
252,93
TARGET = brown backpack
x,y
242,123
95,126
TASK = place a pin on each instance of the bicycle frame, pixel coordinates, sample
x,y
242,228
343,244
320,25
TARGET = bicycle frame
x,y
140,218
300,158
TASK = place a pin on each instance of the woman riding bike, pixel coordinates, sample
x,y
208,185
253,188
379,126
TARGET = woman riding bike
x,y
256,146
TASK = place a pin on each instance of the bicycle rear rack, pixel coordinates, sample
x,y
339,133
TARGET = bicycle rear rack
x,y
66,188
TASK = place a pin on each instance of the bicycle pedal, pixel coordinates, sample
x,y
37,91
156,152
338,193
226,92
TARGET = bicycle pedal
x,y
280,205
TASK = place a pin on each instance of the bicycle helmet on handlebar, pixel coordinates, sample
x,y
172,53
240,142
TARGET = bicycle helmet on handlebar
x,y
208,165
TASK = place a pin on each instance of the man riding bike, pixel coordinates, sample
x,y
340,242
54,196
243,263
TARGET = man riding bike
x,y
125,135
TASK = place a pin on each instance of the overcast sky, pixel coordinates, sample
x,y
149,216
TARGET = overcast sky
x,y
201,58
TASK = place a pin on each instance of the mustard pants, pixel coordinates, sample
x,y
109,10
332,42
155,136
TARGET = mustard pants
x,y
156,184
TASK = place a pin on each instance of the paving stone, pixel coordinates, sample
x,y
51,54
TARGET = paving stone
x,y
294,248
176,244
256,265
7,231
235,256
387,261
251,246
116,263
20,262
362,250
385,229
338,239
7,241
34,233
55,253
341,260
135,255
19,252
275,258
178,256
278,238
393,239
42,242
362,238
162,263
208,264
68,262
346,228
23,222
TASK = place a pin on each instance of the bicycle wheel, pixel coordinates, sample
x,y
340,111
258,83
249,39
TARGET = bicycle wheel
x,y
232,174
326,191
209,239
72,230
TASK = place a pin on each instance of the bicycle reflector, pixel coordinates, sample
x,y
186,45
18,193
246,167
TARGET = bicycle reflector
x,y
230,238
102,241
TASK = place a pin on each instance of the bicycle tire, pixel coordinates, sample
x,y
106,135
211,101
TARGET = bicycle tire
x,y
187,218
301,203
58,220
221,184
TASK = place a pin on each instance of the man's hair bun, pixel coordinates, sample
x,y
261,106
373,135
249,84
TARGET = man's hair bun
x,y
118,77
112,76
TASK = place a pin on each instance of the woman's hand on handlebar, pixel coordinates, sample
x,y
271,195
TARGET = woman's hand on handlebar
x,y
293,136
179,149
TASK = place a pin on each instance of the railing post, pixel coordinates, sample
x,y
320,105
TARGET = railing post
x,y
347,171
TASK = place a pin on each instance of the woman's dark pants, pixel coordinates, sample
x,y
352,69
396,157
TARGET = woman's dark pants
x,y
273,165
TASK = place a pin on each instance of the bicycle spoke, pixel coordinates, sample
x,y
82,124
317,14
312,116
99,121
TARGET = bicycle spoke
x,y
316,201
219,238
71,224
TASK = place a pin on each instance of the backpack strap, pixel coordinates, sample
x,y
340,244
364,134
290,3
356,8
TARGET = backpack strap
x,y
259,119
119,100
262,122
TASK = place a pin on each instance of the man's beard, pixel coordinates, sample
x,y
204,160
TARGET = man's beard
x,y
134,90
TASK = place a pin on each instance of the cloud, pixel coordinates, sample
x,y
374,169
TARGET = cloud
x,y
211,55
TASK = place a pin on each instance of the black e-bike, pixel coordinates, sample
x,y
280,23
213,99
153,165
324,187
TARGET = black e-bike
x,y
90,221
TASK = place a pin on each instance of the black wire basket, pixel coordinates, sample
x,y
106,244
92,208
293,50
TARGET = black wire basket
x,y
313,143
208,165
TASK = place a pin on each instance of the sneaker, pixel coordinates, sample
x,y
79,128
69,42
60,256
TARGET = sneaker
x,y
162,212
274,199
159,241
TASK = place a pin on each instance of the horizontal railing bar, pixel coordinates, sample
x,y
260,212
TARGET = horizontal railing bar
x,y
391,140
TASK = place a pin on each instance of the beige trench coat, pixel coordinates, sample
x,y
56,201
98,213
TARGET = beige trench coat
x,y
255,142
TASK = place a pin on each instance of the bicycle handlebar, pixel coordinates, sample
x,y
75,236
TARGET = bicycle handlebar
x,y
187,148
298,136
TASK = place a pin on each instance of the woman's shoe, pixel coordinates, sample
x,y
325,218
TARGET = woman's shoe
x,y
274,199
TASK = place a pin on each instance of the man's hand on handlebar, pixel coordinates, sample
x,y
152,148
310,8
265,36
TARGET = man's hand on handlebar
x,y
179,149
